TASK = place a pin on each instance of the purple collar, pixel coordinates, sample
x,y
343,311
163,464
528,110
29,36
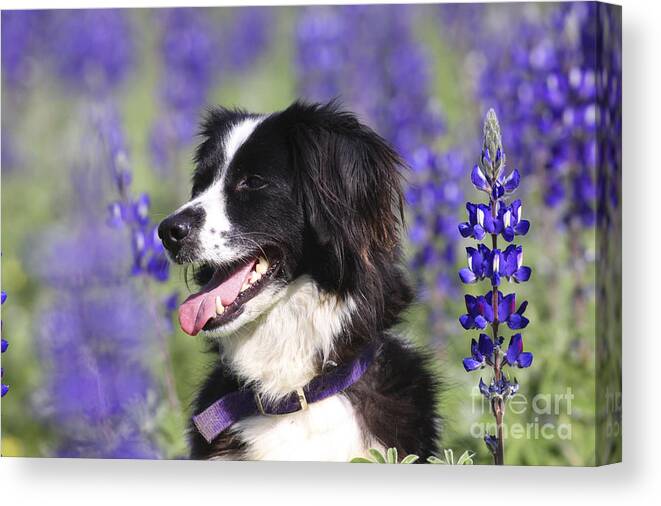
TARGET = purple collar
x,y
241,404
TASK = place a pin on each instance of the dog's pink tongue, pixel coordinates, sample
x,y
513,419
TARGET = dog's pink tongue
x,y
199,308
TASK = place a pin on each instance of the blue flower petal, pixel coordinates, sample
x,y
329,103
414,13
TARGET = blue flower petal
x,y
514,349
522,275
465,229
466,321
484,389
467,276
480,322
511,182
516,321
485,345
470,364
522,227
479,180
487,310
497,191
524,360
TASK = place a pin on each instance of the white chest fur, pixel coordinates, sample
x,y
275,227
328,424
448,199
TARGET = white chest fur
x,y
327,431
277,353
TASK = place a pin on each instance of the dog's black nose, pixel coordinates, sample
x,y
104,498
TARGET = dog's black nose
x,y
174,229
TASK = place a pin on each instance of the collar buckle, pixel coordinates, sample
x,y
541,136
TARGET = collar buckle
x,y
301,398
300,395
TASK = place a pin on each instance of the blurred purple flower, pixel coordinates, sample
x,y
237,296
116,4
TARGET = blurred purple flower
x,y
18,44
93,340
149,256
547,97
248,37
90,49
3,347
197,48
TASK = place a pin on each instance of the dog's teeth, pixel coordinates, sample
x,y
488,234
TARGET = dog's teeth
x,y
245,287
262,265
220,309
255,276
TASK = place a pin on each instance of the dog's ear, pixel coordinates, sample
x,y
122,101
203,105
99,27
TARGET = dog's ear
x,y
349,182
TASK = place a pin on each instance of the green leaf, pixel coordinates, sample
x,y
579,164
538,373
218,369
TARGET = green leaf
x,y
410,459
377,456
360,460
465,459
391,456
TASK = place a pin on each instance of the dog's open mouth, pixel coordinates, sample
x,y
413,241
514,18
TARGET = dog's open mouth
x,y
223,297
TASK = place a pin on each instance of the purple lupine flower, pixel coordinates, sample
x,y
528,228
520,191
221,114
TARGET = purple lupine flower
x,y
19,41
510,222
499,389
484,263
247,37
149,256
321,52
3,347
480,222
189,47
90,49
93,337
481,353
494,308
511,265
171,304
547,96
196,49
492,442
515,355
508,312
477,258
480,311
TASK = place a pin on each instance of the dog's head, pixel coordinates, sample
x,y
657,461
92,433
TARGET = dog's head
x,y
306,191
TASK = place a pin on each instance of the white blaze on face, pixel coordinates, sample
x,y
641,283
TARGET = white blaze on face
x,y
216,231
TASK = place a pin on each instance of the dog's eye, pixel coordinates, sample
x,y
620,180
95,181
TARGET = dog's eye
x,y
252,183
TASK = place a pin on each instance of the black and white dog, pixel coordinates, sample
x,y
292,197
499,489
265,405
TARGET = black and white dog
x,y
293,233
